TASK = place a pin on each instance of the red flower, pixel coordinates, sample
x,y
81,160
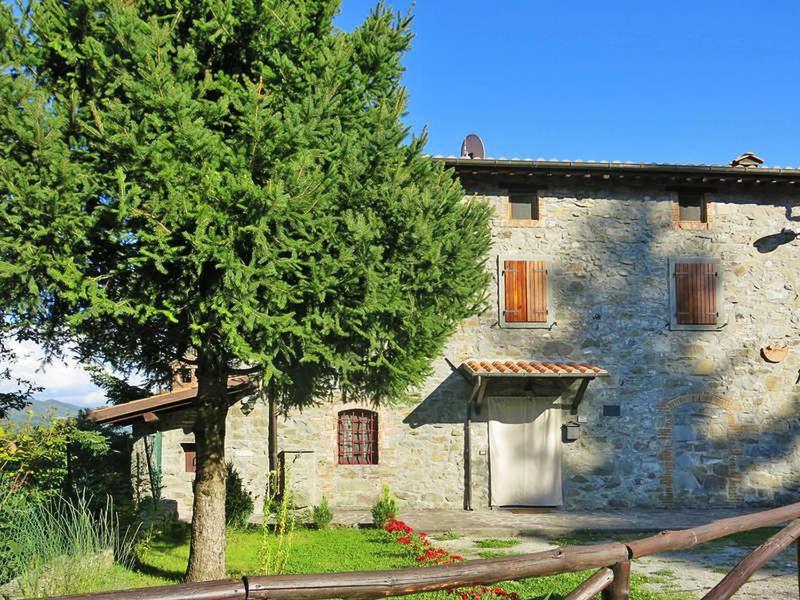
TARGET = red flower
x,y
404,540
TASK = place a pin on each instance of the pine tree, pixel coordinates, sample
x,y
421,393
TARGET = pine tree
x,y
230,179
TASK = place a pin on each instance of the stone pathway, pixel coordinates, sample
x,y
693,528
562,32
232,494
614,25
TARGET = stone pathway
x,y
687,573
544,522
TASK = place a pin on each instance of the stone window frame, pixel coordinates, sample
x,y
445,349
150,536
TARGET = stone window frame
x,y
673,321
706,206
507,221
501,295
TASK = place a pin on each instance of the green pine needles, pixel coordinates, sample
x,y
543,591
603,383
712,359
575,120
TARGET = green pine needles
x,y
232,178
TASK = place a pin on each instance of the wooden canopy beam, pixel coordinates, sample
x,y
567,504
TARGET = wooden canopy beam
x,y
479,393
576,401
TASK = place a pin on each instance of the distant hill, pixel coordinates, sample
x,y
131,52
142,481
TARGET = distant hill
x,y
42,409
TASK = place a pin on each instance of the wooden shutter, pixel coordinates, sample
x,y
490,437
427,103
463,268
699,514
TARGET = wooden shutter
x,y
190,454
696,293
525,284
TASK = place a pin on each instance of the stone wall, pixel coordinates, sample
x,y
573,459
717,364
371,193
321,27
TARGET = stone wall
x,y
608,252
245,448
703,419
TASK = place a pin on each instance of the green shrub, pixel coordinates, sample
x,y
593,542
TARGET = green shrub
x,y
322,514
15,502
47,458
238,501
384,507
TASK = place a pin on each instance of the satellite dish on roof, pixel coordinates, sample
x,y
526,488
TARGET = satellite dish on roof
x,y
472,147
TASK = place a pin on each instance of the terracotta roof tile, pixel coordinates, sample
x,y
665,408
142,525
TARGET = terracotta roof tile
x,y
513,368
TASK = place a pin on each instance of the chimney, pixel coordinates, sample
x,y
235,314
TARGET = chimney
x,y
748,159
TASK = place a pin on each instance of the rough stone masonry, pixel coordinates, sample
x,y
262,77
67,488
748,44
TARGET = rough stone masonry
x,y
687,418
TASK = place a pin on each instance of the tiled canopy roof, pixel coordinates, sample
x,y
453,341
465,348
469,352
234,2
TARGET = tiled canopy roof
x,y
528,368
124,414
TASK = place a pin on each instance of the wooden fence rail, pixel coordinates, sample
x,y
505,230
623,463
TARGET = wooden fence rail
x,y
754,561
613,560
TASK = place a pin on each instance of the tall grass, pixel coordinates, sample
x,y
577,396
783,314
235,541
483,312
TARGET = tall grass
x,y
277,542
63,547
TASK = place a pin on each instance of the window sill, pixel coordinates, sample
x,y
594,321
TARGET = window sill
x,y
518,222
677,327
692,225
516,325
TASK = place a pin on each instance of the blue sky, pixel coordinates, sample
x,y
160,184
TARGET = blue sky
x,y
626,80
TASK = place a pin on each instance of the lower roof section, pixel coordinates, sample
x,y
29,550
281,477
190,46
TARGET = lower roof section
x,y
529,368
147,409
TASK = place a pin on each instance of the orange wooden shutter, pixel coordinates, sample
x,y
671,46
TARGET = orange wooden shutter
x,y
536,275
525,291
696,293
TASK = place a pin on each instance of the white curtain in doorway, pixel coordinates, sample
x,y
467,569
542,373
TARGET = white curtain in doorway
x,y
525,452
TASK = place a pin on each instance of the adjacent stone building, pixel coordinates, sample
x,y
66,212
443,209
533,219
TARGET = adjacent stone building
x,y
640,351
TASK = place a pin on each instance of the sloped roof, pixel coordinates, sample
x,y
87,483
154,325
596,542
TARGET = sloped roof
x,y
124,414
678,173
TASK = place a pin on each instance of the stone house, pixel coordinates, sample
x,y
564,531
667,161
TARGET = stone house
x,y
639,352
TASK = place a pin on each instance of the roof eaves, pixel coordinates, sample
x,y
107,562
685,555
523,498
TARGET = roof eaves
x,y
528,163
168,401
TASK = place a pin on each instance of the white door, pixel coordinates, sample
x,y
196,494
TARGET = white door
x,y
525,452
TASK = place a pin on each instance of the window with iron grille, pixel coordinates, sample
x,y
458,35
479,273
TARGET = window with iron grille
x,y
358,437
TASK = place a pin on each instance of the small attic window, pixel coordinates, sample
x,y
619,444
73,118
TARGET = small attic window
x,y
185,375
691,206
523,206
691,209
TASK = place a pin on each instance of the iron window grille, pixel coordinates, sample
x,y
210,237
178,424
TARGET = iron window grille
x,y
358,437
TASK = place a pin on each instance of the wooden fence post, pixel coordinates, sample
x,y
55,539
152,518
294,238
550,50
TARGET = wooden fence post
x,y
621,585
797,545
590,588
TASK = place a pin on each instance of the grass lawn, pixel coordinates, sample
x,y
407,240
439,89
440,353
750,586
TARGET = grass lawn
x,y
495,543
339,549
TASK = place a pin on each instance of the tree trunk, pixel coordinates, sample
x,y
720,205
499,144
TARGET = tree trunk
x,y
207,549
272,433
